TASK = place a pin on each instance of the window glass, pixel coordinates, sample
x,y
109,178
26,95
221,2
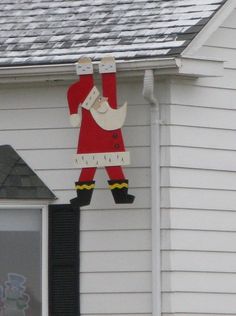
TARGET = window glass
x,y
20,263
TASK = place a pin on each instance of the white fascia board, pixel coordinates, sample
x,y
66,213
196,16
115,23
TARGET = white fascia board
x,y
198,67
180,66
213,24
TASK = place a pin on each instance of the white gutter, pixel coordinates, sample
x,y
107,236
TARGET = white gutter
x,y
184,66
70,68
67,71
148,93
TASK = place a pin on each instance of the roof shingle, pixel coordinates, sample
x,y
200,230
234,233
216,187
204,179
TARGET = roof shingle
x,y
60,31
18,180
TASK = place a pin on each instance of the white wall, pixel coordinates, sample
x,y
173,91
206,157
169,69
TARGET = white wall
x,y
115,239
199,187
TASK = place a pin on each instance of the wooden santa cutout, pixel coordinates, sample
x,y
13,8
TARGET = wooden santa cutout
x,y
100,140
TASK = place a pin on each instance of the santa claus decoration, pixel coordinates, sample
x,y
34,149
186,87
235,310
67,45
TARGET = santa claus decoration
x,y
100,141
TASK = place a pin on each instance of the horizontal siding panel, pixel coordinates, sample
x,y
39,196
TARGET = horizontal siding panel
x,y
199,303
134,303
136,282
199,219
192,314
66,138
196,314
228,81
231,20
187,94
223,38
115,240
115,219
63,158
198,137
228,54
102,199
122,261
34,118
198,158
198,240
133,98
200,117
59,118
138,178
196,178
222,262
199,199
199,282
55,95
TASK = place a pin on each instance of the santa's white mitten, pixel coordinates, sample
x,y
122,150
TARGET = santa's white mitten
x,y
107,65
75,120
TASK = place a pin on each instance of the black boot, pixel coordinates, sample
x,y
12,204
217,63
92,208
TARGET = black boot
x,y
119,190
84,194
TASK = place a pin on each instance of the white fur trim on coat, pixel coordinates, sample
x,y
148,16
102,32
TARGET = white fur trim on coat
x,y
102,159
75,120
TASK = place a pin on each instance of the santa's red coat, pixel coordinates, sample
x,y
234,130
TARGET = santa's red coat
x,y
92,138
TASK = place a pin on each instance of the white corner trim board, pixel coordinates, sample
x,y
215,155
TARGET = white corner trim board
x,y
209,28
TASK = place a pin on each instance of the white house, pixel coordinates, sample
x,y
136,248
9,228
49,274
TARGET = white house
x,y
173,251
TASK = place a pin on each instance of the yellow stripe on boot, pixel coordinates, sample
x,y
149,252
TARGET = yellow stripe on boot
x,y
85,187
118,186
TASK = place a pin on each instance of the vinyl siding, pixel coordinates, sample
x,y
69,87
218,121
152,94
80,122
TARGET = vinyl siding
x,y
198,176
115,239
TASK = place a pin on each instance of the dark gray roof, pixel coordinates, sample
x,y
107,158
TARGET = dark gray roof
x,y
17,179
60,31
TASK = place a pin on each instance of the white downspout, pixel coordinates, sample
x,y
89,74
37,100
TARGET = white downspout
x,y
148,93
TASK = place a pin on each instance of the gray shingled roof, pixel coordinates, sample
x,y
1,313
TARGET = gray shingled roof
x,y
60,31
18,180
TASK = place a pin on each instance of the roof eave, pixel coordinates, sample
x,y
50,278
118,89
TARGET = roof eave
x,y
179,66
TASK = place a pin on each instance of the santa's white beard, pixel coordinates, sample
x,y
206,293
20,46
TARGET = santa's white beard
x,y
109,119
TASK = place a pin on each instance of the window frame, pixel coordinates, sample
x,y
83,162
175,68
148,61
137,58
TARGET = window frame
x,y
18,205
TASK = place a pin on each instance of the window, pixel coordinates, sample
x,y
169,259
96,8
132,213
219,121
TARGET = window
x,y
24,261
23,266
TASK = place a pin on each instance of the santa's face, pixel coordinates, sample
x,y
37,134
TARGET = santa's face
x,y
101,105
